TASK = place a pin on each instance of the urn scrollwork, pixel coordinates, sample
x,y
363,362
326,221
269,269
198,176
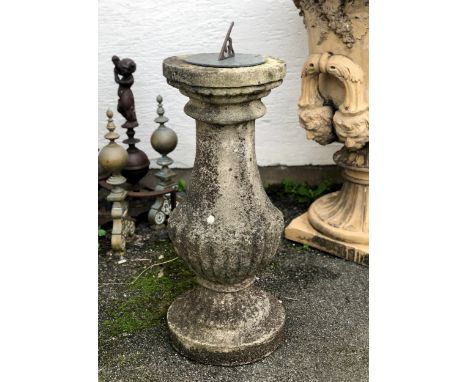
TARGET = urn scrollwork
x,y
348,121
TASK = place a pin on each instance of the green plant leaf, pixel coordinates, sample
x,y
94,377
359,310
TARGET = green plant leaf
x,y
182,184
300,192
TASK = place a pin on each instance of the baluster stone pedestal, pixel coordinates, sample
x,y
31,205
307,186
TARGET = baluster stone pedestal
x,y
227,229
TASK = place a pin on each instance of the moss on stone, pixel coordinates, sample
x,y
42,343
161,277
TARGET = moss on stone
x,y
148,299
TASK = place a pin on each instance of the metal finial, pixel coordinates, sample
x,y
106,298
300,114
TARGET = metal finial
x,y
113,159
112,156
111,135
161,119
227,45
164,141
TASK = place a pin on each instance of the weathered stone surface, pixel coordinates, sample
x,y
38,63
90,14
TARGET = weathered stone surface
x,y
177,70
226,328
227,229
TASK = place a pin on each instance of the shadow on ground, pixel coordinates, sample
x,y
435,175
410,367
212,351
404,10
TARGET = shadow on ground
x,y
326,302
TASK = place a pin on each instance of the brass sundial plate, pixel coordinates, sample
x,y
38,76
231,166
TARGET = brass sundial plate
x,y
238,61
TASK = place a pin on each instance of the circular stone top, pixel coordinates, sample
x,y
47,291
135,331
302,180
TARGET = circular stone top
x,y
238,61
176,69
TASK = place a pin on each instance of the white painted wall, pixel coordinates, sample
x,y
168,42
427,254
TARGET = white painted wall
x,y
149,31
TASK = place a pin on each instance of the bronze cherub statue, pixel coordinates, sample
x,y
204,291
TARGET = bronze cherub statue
x,y
126,105
138,162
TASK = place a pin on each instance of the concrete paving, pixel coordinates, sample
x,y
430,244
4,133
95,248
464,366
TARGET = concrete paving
x,y
326,333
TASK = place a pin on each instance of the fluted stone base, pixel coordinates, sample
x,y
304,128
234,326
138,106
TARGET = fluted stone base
x,y
226,328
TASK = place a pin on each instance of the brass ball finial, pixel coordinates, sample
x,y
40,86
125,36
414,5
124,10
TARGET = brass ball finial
x,y
113,157
163,139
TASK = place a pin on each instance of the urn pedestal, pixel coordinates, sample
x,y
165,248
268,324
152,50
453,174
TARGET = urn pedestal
x,y
333,106
226,229
338,222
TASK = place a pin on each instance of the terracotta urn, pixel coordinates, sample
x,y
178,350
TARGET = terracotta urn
x,y
333,106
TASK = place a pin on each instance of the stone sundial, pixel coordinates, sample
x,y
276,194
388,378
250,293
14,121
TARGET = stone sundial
x,y
227,229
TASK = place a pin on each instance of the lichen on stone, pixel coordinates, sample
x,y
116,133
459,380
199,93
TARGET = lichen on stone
x,y
342,17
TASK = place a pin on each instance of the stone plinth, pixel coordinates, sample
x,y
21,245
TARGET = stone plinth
x,y
227,229
333,106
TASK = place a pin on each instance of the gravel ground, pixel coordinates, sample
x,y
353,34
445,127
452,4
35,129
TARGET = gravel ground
x,y
326,332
